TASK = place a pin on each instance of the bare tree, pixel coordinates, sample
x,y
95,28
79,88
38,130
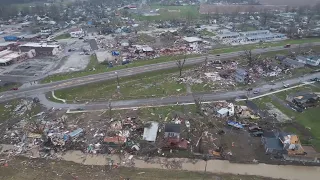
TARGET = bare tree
x,y
180,64
110,109
250,57
265,16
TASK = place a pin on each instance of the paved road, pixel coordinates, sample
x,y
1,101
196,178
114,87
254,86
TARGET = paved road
x,y
43,88
175,99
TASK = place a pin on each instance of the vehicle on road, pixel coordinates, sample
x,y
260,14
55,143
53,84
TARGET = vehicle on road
x,y
315,79
14,88
286,85
256,91
218,55
79,109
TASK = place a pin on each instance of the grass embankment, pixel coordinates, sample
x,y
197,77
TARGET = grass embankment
x,y
101,68
63,36
146,85
263,45
9,86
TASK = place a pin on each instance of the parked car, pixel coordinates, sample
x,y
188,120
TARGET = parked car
x,y
14,88
286,85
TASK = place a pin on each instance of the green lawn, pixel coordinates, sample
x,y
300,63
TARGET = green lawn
x,y
262,45
100,68
152,84
8,87
63,36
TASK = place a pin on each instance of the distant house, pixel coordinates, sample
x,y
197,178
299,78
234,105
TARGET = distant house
x,y
241,76
312,60
287,62
303,99
76,33
172,137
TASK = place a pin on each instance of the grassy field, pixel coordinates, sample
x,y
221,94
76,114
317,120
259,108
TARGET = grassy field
x,y
171,13
262,45
8,87
153,84
100,68
30,169
63,36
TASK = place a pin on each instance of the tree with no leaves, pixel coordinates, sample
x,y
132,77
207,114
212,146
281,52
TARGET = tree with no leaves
x,y
180,64
250,57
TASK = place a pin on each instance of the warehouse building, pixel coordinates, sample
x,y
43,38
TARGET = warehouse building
x,y
42,49
8,57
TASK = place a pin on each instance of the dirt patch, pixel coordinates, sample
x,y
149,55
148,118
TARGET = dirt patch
x,y
30,169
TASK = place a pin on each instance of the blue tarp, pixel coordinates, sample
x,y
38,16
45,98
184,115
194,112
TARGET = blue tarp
x,y
10,38
75,132
235,124
115,53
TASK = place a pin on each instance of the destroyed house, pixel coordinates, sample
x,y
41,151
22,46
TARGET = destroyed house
x,y
287,62
303,99
115,140
241,75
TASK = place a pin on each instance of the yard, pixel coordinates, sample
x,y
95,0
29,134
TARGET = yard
x,y
147,85
94,67
63,36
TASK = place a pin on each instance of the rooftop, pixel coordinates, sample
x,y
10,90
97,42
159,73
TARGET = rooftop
x,y
172,128
150,133
192,39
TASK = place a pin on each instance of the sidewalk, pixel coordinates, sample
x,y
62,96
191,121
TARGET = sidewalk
x,y
213,166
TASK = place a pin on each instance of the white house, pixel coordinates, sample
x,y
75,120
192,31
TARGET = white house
x,y
76,33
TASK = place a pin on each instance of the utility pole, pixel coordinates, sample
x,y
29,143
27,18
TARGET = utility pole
x,y
118,83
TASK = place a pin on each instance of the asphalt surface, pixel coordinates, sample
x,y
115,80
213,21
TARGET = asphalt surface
x,y
43,88
205,97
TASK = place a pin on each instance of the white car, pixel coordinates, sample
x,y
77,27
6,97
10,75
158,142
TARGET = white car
x,y
286,85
